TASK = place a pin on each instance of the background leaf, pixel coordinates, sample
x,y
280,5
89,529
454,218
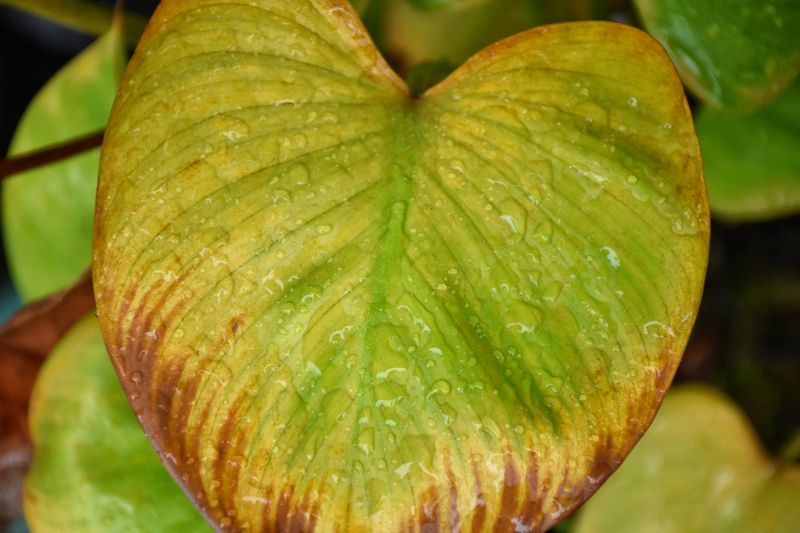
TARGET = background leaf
x,y
83,15
699,468
752,162
25,340
93,468
737,54
446,4
47,212
410,35
336,306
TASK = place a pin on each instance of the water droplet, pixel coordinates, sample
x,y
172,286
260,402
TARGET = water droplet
x,y
324,229
593,113
366,441
298,174
297,50
136,377
544,231
552,291
441,386
633,101
329,118
632,179
611,256
524,317
457,165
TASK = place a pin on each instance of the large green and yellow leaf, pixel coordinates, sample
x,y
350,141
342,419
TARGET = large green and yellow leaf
x,y
698,469
93,468
47,212
752,162
340,308
737,54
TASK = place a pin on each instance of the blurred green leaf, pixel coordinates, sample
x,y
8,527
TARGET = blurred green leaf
x,y
738,54
361,6
410,35
752,162
699,468
82,15
93,468
47,212
445,4
568,10
412,32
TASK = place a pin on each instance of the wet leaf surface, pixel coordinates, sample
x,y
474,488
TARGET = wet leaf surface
x,y
25,341
699,468
47,212
336,307
93,469
752,162
736,54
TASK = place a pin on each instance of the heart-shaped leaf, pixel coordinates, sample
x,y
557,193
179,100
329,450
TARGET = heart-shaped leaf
x,y
698,468
93,468
752,162
737,54
338,307
47,212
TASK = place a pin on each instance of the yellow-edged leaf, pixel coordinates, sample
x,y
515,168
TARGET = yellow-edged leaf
x,y
338,308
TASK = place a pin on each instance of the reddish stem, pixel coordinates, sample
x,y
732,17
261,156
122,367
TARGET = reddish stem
x,y
51,154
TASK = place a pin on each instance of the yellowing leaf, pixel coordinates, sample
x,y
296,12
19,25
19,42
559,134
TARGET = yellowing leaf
x,y
699,468
340,308
93,468
47,212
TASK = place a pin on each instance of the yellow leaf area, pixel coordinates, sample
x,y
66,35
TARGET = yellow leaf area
x,y
336,307
699,469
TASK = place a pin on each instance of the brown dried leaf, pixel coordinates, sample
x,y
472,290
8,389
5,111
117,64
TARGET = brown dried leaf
x,y
25,341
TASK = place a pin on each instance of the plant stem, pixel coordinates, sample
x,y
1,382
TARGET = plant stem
x,y
81,15
51,154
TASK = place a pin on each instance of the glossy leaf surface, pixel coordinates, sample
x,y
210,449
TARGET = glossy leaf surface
x,y
752,162
47,212
699,468
737,54
93,468
340,308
